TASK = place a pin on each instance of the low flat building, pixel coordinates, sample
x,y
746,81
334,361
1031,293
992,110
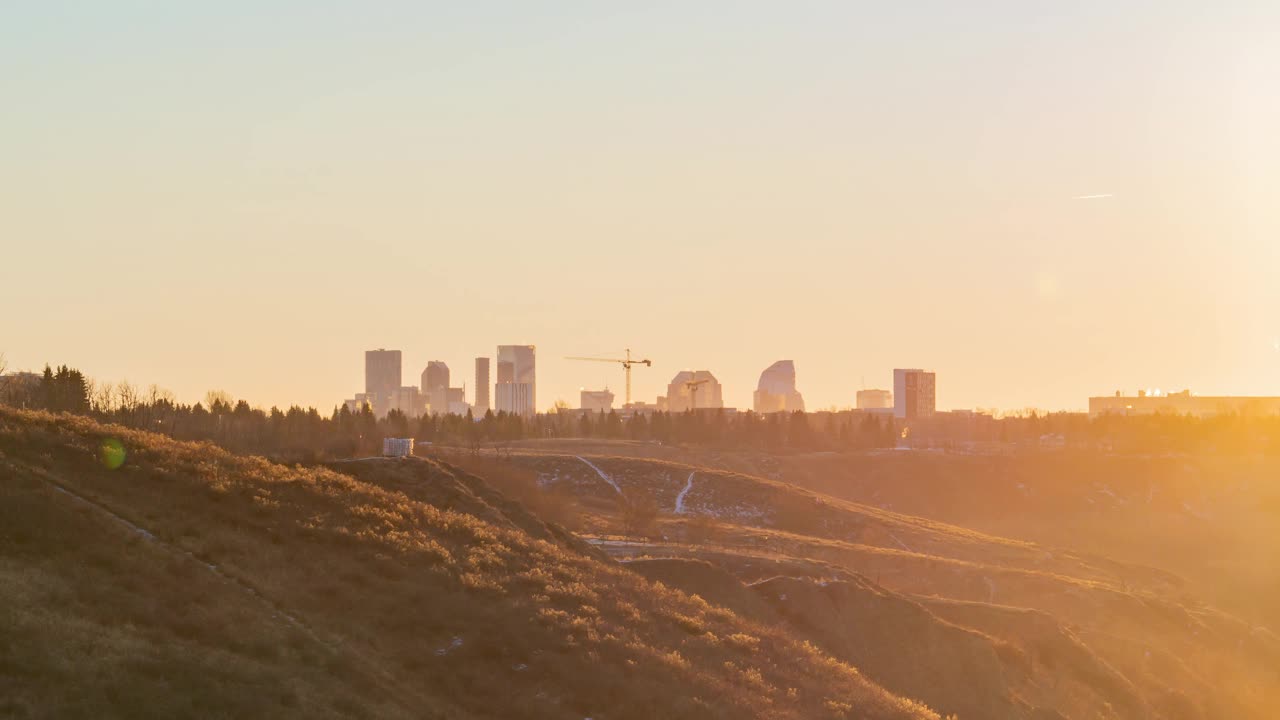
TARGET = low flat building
x,y
1183,403
596,400
642,408
875,400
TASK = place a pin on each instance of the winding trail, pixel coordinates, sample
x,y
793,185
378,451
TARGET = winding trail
x,y
600,472
680,498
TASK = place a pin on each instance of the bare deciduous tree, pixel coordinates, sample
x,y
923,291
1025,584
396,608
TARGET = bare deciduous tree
x,y
126,396
104,397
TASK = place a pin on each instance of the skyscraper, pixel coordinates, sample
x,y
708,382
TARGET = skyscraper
x,y
506,372
435,386
482,386
382,374
776,391
517,368
914,393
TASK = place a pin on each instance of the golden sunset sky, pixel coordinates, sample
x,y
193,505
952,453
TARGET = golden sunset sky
x,y
248,195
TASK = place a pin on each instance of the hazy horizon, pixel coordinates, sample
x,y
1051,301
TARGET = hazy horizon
x,y
1038,207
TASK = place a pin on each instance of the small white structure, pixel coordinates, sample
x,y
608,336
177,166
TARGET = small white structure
x,y
397,447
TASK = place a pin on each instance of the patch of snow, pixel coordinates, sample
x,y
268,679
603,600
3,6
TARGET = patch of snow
x,y
680,510
454,644
616,543
600,472
900,543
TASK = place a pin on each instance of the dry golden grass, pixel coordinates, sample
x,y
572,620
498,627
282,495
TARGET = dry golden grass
x,y
408,608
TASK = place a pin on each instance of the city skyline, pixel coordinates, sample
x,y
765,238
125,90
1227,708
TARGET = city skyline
x,y
383,372
1038,215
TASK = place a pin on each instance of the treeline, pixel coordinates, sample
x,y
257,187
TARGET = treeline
x,y
304,434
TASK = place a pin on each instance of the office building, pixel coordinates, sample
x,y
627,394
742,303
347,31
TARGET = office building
x,y
596,400
407,400
382,373
776,391
435,387
516,389
482,386
874,399
457,401
681,394
361,401
515,398
914,394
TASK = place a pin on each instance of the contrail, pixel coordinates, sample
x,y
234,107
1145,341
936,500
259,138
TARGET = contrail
x,y
1093,197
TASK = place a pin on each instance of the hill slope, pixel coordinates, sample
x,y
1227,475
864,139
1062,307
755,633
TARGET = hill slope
x,y
194,582
1109,638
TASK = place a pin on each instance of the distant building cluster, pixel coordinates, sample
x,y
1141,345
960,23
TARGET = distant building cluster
x,y
514,392
509,384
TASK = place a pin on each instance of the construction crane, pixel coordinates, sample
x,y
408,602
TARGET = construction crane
x,y
626,363
692,387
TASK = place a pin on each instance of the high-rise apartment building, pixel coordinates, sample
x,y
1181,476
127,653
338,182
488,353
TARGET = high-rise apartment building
x,y
482,386
914,393
382,372
517,369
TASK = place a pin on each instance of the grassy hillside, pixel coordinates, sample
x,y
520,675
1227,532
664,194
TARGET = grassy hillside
x,y
1123,639
193,582
1208,519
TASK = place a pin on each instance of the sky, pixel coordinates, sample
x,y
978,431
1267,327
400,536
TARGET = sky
x,y
1039,202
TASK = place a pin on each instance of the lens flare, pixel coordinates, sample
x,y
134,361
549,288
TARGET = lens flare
x,y
111,452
